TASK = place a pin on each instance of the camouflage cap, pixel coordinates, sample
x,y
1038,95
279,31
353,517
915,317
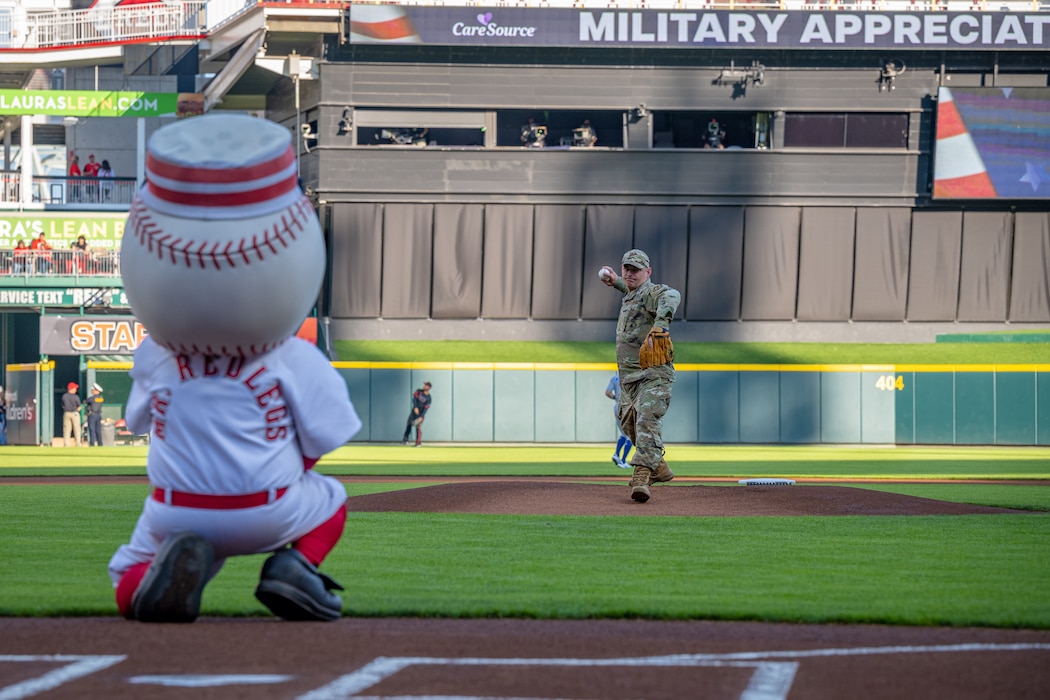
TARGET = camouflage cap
x,y
636,258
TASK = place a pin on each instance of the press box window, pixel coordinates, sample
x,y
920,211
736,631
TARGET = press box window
x,y
849,130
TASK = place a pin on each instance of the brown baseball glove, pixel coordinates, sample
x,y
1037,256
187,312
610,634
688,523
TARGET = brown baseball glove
x,y
657,349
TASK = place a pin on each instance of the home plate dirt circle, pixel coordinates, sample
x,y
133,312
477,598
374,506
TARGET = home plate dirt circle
x,y
506,658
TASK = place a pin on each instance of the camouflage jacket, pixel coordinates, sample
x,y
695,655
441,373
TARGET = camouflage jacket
x,y
649,305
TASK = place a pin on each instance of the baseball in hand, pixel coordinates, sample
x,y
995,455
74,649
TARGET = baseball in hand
x,y
604,274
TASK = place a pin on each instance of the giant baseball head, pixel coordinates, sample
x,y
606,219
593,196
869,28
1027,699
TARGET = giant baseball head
x,y
222,253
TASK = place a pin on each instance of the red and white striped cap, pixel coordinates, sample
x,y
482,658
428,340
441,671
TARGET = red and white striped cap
x,y
220,166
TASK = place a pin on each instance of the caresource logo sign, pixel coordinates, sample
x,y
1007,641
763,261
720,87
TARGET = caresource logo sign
x,y
487,27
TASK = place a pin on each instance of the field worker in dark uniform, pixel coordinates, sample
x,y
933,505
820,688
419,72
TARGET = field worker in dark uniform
x,y
644,357
94,416
420,405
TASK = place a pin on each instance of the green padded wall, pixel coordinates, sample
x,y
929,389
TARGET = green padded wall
x,y
718,407
904,405
472,414
515,410
555,406
680,423
594,410
799,407
975,408
879,403
1015,408
1042,436
725,404
934,408
840,408
759,407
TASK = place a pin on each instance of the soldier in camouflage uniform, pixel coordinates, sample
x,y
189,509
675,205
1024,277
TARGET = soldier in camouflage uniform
x,y
645,394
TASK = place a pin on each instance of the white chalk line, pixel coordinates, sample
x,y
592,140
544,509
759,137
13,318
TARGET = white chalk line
x,y
75,667
771,680
198,680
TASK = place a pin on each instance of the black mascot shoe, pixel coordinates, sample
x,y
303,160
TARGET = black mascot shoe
x,y
293,589
172,587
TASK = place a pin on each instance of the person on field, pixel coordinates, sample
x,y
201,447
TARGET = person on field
x,y
420,406
623,443
94,416
71,415
644,356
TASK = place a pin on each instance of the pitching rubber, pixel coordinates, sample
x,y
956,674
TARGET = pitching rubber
x,y
766,482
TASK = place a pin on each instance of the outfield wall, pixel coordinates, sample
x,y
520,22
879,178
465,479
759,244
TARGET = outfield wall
x,y
724,404
716,404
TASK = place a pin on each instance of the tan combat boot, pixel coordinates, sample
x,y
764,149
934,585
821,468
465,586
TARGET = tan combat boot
x,y
662,472
640,484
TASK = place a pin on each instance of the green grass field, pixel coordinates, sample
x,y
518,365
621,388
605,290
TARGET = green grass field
x,y
988,570
697,353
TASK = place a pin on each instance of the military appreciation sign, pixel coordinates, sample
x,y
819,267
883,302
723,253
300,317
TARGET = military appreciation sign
x,y
686,28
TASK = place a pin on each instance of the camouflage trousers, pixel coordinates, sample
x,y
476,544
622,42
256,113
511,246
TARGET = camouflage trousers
x,y
643,404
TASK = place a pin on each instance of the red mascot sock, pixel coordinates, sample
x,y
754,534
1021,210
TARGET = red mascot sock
x,y
316,544
129,583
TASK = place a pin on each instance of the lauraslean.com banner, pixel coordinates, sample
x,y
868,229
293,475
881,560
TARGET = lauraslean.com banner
x,y
481,26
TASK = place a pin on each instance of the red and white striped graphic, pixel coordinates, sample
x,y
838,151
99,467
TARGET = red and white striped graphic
x,y
958,170
382,24
212,168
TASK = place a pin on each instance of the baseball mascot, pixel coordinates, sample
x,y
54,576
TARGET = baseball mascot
x,y
222,260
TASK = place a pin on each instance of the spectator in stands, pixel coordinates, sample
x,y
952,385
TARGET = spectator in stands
x,y
74,172
20,257
41,251
80,255
105,184
91,171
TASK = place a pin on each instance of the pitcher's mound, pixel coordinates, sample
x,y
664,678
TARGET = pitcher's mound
x,y
559,498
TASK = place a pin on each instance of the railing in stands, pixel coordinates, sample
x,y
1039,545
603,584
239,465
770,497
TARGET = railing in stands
x,y
58,29
93,262
48,189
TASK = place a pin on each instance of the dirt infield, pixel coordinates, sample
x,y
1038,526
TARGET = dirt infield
x,y
568,659
538,497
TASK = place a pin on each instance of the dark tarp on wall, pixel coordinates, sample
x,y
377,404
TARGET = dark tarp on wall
x,y
357,246
407,240
880,276
933,273
608,236
716,252
557,272
771,236
663,233
987,249
1030,295
457,260
507,285
825,265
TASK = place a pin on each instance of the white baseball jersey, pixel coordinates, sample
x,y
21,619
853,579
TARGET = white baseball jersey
x,y
229,426
236,425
